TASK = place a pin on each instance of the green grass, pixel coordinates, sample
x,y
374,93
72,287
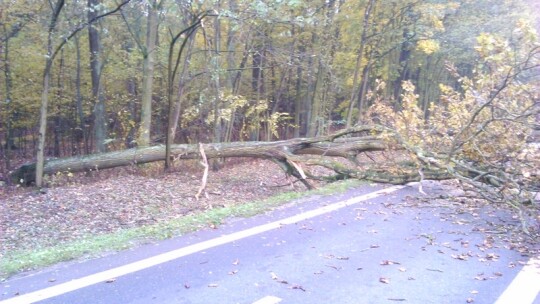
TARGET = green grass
x,y
93,246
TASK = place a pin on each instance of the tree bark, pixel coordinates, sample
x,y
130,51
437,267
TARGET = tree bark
x,y
8,85
45,94
100,124
148,75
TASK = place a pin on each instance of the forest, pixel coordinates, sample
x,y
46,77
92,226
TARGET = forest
x,y
443,89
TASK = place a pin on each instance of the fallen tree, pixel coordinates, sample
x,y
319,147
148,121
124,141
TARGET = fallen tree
x,y
284,152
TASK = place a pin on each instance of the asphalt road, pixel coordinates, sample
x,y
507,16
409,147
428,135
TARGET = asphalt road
x,y
375,249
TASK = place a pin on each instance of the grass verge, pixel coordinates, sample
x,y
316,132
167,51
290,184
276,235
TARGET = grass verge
x,y
93,246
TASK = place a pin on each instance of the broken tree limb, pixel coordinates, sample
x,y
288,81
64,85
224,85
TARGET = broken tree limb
x,y
204,179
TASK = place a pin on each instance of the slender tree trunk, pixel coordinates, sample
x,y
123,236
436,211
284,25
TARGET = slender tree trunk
x,y
236,86
231,64
182,83
131,89
257,83
57,119
217,81
363,89
315,102
80,133
100,122
360,54
148,75
45,93
298,106
9,117
309,97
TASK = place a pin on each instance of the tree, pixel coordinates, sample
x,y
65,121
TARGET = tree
x,y
50,56
100,123
171,76
56,10
149,53
363,41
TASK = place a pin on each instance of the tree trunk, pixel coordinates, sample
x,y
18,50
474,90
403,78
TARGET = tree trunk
x,y
9,117
148,75
363,41
298,106
182,83
80,133
100,122
45,95
282,152
57,132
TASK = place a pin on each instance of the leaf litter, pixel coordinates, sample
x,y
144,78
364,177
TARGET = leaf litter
x,y
116,199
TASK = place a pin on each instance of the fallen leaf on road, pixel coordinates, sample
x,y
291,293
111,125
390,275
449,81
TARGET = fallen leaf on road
x,y
298,287
304,227
480,278
277,279
462,257
384,280
436,270
492,256
334,267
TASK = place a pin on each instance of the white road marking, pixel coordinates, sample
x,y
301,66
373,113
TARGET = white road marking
x,y
103,276
525,287
268,300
